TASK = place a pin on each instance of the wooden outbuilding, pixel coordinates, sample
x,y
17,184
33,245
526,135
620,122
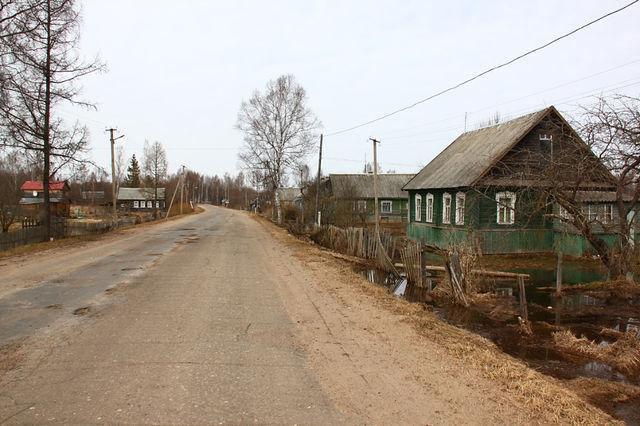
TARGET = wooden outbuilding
x,y
350,198
32,200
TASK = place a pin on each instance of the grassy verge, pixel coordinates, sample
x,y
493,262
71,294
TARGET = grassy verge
x,y
545,400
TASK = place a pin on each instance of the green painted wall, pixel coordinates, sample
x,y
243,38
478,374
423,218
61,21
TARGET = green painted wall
x,y
531,233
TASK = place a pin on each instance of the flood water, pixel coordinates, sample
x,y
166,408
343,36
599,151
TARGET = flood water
x,y
578,311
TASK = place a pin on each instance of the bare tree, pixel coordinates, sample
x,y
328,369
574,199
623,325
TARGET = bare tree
x,y
13,171
586,180
41,68
279,129
154,166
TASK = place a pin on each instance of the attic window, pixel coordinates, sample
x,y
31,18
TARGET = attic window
x,y
506,203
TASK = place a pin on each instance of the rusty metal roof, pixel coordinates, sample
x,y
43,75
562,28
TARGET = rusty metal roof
x,y
472,154
360,185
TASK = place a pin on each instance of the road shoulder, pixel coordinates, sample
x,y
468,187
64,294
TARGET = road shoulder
x,y
388,360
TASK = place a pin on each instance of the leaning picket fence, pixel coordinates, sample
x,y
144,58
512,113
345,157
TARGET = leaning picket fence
x,y
359,242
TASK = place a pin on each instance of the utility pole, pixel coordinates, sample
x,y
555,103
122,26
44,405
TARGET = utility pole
x,y
182,189
113,139
318,183
375,183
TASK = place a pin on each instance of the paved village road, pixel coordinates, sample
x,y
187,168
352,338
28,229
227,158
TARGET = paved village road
x,y
198,336
224,318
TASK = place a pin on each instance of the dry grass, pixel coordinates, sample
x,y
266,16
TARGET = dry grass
x,y
545,398
623,354
11,356
49,245
80,240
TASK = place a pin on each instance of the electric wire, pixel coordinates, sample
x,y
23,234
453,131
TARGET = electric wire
x,y
487,71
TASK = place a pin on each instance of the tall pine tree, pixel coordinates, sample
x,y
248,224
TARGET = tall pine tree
x,y
133,173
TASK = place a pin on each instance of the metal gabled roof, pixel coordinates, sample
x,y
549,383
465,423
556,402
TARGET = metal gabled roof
x,y
125,194
360,185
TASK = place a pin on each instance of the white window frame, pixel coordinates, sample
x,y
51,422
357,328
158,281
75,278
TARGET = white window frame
x,y
607,216
361,206
460,207
511,207
446,210
384,203
136,204
157,204
418,208
563,213
149,204
429,212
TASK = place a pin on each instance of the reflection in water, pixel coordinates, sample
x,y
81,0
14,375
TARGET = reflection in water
x,y
583,314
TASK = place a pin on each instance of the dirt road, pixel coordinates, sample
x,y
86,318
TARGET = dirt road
x,y
221,318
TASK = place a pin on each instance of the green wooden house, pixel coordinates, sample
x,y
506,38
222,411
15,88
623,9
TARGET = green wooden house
x,y
350,198
482,189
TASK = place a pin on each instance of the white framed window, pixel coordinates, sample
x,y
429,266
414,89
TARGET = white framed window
x,y
386,206
505,206
590,212
361,206
460,201
157,204
608,213
446,208
135,204
430,208
563,213
149,204
418,214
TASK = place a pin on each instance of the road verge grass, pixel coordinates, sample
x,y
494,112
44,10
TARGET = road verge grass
x,y
542,399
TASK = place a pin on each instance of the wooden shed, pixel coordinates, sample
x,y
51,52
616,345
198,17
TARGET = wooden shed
x,y
32,200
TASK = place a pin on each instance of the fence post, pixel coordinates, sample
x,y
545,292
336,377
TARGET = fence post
x,y
524,312
559,274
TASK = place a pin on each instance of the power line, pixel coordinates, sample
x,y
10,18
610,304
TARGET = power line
x,y
459,116
494,68
561,101
515,113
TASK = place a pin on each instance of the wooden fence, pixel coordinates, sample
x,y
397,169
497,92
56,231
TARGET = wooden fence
x,y
36,234
359,242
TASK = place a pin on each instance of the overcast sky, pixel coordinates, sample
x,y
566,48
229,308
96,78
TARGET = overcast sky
x,y
178,70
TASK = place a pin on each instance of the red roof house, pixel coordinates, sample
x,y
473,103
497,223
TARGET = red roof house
x,y
33,198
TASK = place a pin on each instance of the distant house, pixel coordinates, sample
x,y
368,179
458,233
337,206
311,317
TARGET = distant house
x,y
140,199
482,187
351,198
290,197
32,199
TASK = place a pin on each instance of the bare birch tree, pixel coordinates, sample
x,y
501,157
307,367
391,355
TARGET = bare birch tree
x,y
154,167
279,131
41,68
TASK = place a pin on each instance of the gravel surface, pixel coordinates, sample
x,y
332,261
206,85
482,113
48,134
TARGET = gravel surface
x,y
220,318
